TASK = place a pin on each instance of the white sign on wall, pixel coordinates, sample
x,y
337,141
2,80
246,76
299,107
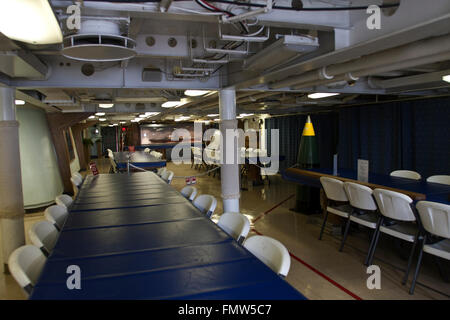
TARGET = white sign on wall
x,y
363,170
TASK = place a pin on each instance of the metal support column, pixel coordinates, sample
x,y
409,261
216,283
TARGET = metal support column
x,y
11,196
229,171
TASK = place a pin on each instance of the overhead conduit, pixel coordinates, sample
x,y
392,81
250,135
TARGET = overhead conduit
x,y
404,56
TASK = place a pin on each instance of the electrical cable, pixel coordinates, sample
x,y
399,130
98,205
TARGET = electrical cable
x,y
258,5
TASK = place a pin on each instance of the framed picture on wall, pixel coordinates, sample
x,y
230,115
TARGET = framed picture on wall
x,y
70,145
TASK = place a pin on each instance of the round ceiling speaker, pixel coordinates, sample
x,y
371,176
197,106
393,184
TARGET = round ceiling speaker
x,y
98,41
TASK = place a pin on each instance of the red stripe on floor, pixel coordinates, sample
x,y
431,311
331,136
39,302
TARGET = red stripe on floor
x,y
274,207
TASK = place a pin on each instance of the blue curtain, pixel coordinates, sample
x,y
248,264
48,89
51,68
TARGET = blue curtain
x,y
410,135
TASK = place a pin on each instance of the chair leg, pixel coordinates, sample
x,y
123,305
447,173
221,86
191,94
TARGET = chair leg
x,y
323,224
347,227
372,254
416,273
411,255
372,242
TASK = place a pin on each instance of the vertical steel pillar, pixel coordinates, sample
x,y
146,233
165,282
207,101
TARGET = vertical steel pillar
x,y
11,196
229,171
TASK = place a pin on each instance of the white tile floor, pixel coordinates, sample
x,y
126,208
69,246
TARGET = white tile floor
x,y
318,270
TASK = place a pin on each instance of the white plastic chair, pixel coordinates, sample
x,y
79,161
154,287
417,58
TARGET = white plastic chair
x,y
270,251
337,200
25,265
147,150
443,179
206,204
160,171
64,200
43,235
76,182
78,175
396,206
406,174
57,215
189,192
235,224
435,219
364,209
167,176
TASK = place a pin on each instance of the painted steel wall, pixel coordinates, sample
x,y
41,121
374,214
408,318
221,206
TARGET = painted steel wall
x,y
41,181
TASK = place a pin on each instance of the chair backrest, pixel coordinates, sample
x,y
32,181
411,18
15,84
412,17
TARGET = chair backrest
x,y
334,189
77,174
43,235
77,181
435,217
360,196
147,150
25,265
64,200
406,174
235,224
444,179
394,205
167,176
270,251
206,204
56,214
189,192
110,154
161,171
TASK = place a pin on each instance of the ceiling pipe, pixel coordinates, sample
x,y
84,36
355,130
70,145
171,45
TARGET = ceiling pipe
x,y
386,68
418,49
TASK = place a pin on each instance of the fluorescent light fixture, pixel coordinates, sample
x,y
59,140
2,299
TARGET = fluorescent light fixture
x,y
171,104
100,114
213,115
319,95
19,102
217,119
142,116
182,118
151,114
30,21
115,124
91,117
446,78
123,122
102,119
196,93
134,120
106,105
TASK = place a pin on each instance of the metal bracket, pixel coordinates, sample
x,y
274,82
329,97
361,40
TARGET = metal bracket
x,y
243,38
248,14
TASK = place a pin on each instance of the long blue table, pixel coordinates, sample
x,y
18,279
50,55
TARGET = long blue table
x,y
139,159
159,250
426,190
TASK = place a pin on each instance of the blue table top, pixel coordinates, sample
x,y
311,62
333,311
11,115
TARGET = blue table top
x,y
161,251
433,191
139,159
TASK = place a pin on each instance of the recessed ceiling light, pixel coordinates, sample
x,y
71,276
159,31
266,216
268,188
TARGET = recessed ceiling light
x,y
195,93
122,122
19,102
319,95
91,117
106,105
31,21
142,116
171,104
213,115
100,114
446,78
102,119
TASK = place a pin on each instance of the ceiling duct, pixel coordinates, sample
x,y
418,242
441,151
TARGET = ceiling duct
x,y
99,41
282,50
